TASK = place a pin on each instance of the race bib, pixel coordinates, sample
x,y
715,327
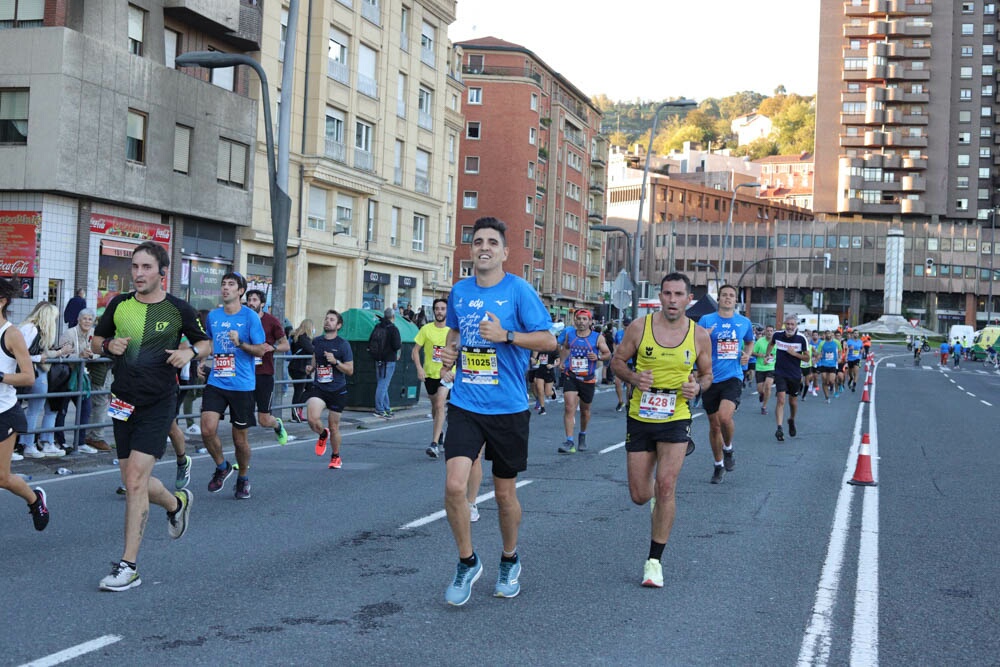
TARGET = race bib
x,y
579,365
828,356
257,361
728,349
324,374
659,406
224,365
119,409
787,347
480,366
436,356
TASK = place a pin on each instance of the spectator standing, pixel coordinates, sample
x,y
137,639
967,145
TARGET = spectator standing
x,y
385,363
300,340
78,338
39,331
73,307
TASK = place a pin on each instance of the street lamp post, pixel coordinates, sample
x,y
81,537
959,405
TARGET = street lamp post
x,y
677,104
706,265
281,203
628,243
729,225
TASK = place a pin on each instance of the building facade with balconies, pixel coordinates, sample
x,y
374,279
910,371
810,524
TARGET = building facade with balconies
x,y
907,107
105,144
532,155
376,118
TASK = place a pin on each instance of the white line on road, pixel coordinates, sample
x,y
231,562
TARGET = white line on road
x,y
440,514
612,448
960,387
74,651
890,365
951,381
970,394
985,402
864,634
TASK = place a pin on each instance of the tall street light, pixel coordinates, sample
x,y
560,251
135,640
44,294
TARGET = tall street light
x,y
628,244
729,225
281,203
676,104
706,265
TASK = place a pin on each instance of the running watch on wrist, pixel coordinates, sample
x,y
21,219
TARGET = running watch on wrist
x,y
510,337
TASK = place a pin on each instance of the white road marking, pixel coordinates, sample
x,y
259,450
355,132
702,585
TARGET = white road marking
x,y
970,394
440,514
74,651
985,402
864,633
890,365
612,448
960,387
951,381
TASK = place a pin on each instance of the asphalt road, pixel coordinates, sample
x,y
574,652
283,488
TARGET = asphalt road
x,y
783,563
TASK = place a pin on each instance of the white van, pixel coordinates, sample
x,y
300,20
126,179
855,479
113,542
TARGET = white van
x,y
960,331
826,322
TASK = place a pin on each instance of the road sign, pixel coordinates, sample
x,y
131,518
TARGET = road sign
x,y
621,299
623,282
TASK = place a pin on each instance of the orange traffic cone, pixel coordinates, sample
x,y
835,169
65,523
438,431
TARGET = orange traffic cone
x,y
864,396
868,380
863,469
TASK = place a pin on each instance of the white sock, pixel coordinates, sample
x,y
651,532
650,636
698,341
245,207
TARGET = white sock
x,y
727,448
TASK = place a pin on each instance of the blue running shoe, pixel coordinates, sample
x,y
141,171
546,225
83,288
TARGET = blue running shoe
x,y
508,585
460,590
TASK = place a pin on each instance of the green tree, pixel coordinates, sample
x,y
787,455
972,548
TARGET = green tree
x,y
795,127
739,104
619,139
759,148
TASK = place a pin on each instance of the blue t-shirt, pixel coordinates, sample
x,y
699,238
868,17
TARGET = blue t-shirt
x,y
489,377
619,336
579,348
829,353
232,368
326,376
728,335
853,349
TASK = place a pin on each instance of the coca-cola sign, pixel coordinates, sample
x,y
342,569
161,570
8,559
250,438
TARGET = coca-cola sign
x,y
131,229
19,243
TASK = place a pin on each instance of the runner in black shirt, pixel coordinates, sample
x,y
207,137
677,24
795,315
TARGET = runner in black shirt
x,y
792,349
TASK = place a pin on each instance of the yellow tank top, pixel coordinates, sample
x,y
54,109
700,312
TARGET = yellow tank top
x,y
671,367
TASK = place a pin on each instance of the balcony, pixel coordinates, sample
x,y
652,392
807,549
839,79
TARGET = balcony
x,y
593,269
595,242
422,183
367,86
574,136
913,183
912,206
596,215
425,120
848,141
503,71
335,150
597,187
363,160
593,297
597,160
371,12
914,163
338,71
427,56
540,220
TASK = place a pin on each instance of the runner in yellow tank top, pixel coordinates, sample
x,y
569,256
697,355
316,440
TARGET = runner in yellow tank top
x,y
667,347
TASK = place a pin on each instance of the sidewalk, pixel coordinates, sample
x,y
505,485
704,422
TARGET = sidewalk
x,y
82,463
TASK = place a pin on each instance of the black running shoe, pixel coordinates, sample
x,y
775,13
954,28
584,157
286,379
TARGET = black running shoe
x,y
780,435
690,449
39,511
729,459
791,427
718,472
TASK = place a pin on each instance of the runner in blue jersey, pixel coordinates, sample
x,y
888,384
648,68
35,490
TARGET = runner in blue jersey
x,y
237,339
580,350
732,341
495,320
826,355
854,350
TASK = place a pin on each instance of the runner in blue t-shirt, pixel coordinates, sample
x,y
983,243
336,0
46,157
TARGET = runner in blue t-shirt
x,y
495,319
237,338
826,355
732,342
854,349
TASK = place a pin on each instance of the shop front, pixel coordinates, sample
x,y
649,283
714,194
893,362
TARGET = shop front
x,y
405,291
207,254
375,290
19,231
117,238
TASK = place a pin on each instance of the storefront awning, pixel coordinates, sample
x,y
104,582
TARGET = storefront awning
x,y
117,248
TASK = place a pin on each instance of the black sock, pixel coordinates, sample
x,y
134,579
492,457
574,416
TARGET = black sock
x,y
470,561
181,461
656,549
129,563
504,558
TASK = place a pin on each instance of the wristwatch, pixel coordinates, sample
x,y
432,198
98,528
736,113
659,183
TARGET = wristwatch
x,y
510,337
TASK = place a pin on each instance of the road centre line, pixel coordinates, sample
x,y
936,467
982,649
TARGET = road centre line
x,y
440,514
970,394
985,402
74,651
864,633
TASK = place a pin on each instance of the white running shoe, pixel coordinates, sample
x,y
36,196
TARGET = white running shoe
x,y
193,429
49,450
86,449
473,513
32,452
14,456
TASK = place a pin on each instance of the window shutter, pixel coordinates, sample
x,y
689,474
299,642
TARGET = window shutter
x,y
182,148
222,168
30,10
6,10
238,164
135,16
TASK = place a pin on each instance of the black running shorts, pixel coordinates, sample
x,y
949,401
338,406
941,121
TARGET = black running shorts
x,y
644,436
584,389
335,401
727,390
792,386
240,404
146,429
505,437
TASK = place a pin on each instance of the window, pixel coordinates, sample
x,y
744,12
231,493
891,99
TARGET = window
x,y
531,170
962,160
451,189
470,199
965,72
965,94
419,228
987,49
534,102
424,106
401,95
966,51
472,164
964,138
136,27
968,29
345,213
984,152
988,70
472,129
397,161
317,208
422,182
182,149
962,182
529,204
467,234
363,145
532,135
13,116
171,47
336,56
394,227
232,166
984,172
223,77
965,116
135,137
475,95
367,84
573,191
452,142
372,216
22,13
335,134
574,160
968,7
427,38
404,29
961,204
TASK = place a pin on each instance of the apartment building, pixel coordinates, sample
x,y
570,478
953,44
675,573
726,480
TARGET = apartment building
x,y
375,126
104,144
905,135
531,155
788,178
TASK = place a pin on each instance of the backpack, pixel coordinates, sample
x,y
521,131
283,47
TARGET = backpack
x,y
379,345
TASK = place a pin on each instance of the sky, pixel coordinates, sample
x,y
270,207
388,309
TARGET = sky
x,y
659,49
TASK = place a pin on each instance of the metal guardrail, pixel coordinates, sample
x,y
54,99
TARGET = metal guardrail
x,y
281,384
